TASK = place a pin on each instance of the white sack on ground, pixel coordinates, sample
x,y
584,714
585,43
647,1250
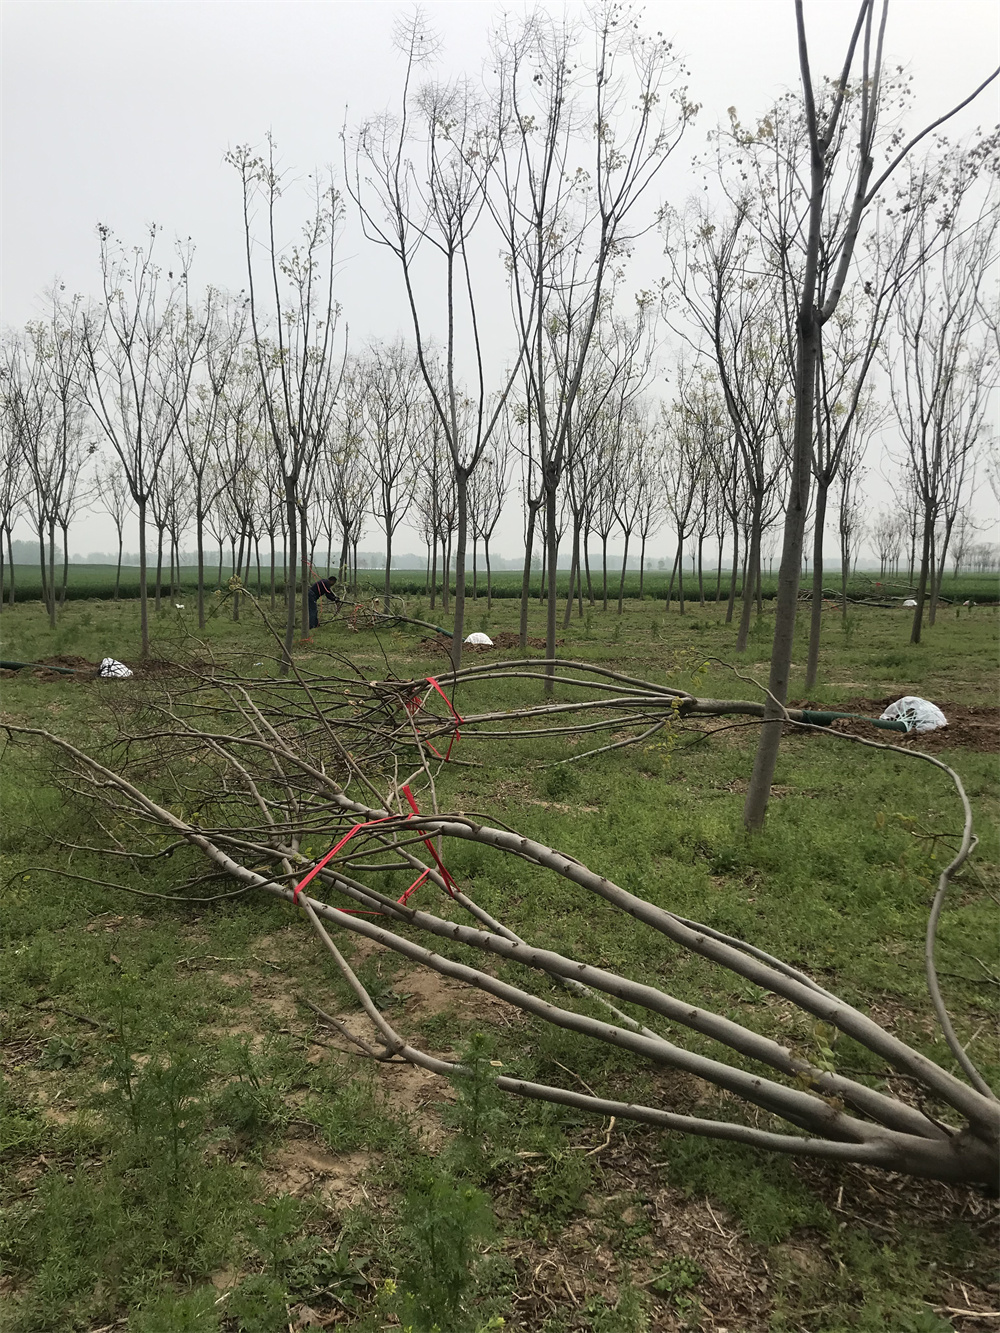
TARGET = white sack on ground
x,y
110,669
479,640
918,714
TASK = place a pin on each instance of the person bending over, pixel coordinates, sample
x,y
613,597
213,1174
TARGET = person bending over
x,y
321,588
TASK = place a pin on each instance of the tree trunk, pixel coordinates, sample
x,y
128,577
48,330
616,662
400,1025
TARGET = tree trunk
x,y
938,574
586,565
574,570
489,574
387,581
446,583
680,571
807,357
551,561
701,569
143,590
642,566
816,610
621,581
434,570
604,568
673,576
925,559
199,538
291,559
529,541
306,567
731,602
65,570
749,584
458,632
49,607
12,596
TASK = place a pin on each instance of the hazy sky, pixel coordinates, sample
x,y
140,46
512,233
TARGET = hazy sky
x,y
122,112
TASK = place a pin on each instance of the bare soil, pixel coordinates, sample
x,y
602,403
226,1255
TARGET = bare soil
x,y
970,726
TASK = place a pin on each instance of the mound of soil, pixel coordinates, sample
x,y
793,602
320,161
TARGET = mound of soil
x,y
970,726
83,669
506,639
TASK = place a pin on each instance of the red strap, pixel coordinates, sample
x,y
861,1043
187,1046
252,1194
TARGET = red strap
x,y
333,852
415,705
450,884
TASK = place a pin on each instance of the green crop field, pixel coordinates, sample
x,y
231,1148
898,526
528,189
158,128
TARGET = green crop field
x,y
188,1148
98,581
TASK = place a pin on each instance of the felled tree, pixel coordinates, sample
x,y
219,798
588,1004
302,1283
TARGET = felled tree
x,y
269,764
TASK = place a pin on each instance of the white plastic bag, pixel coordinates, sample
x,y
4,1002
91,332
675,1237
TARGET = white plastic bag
x,y
918,714
112,670
479,640
910,601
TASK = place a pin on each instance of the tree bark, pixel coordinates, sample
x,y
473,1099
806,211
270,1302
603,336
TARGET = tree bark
x,y
816,610
462,496
796,512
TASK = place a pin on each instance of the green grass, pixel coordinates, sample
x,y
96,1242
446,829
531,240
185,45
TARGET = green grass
x,y
98,581
164,1081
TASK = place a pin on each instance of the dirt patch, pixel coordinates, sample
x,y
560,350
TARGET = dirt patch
x,y
301,1167
970,726
507,640
84,670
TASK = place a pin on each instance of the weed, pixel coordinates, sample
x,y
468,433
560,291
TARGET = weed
x,y
59,1054
558,1189
560,781
251,1105
677,1276
479,1112
627,1315
443,1222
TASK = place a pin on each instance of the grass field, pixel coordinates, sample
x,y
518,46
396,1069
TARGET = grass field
x,y
186,1148
98,581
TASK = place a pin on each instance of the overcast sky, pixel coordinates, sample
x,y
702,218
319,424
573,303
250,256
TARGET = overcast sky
x,y
122,112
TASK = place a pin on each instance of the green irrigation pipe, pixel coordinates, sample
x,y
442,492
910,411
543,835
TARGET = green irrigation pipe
x,y
824,720
37,666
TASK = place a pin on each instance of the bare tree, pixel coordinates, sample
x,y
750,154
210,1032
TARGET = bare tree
x,y
434,208
828,214
488,489
850,510
886,534
722,285
140,350
942,383
14,487
297,349
40,374
224,361
585,129
393,421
